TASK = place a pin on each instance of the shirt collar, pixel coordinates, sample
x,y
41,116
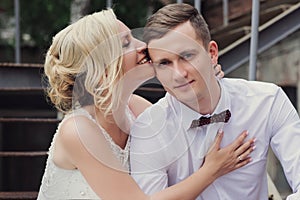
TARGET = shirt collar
x,y
187,114
224,102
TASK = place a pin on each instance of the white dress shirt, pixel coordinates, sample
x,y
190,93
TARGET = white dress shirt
x,y
165,150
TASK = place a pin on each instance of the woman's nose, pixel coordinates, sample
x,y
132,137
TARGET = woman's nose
x,y
140,46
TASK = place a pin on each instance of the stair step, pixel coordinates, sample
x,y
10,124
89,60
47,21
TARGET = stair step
x,y
8,64
18,195
20,77
44,120
22,153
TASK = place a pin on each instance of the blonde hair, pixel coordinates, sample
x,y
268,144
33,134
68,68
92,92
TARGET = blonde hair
x,y
85,60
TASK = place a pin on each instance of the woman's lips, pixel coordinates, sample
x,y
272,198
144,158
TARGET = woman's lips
x,y
144,60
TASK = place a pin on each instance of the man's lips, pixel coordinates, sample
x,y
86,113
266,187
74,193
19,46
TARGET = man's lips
x,y
183,85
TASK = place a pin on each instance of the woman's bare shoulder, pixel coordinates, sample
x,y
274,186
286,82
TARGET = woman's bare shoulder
x,y
69,141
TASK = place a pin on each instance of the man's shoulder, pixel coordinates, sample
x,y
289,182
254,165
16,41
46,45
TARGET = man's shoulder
x,y
249,88
158,110
152,118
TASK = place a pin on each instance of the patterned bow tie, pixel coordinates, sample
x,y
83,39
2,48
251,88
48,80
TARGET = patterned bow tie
x,y
221,117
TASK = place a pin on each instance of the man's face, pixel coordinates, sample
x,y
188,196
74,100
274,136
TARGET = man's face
x,y
182,64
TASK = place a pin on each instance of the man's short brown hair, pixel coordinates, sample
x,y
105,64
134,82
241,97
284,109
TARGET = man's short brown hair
x,y
172,15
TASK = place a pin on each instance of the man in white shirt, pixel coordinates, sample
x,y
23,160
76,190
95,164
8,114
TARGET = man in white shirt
x,y
166,147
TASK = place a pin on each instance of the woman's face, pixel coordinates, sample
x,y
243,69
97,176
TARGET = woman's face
x,y
133,49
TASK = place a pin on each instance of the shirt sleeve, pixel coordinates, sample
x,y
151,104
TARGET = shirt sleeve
x,y
148,164
145,167
285,138
295,196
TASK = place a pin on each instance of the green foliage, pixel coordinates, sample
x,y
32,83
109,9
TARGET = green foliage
x,y
6,11
7,6
42,19
132,12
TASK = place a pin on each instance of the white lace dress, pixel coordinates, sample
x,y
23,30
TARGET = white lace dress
x,y
58,183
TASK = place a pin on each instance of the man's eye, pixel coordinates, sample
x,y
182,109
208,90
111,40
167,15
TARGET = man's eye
x,y
162,63
187,56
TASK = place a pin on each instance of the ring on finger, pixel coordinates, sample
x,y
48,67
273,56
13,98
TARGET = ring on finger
x,y
240,158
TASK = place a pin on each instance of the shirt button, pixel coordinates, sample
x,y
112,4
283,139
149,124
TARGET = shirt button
x,y
82,193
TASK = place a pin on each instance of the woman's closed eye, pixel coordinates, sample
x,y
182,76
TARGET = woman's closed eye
x,y
126,41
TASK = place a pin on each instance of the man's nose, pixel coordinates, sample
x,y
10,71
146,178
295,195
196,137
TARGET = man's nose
x,y
179,72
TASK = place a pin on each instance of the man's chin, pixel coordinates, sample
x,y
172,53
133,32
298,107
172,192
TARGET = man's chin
x,y
188,98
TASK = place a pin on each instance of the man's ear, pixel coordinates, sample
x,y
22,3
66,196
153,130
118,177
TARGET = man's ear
x,y
213,51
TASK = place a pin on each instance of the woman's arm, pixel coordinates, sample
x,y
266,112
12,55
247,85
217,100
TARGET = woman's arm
x,y
217,163
86,148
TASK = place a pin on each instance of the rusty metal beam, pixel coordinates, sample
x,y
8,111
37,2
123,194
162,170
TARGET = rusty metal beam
x,y
18,195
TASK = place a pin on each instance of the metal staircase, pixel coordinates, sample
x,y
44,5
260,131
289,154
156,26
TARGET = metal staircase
x,y
276,23
27,123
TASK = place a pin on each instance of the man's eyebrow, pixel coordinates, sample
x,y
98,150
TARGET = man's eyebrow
x,y
187,51
180,54
160,60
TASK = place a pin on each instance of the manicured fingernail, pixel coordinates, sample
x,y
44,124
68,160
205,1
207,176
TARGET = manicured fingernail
x,y
254,139
247,132
254,147
220,130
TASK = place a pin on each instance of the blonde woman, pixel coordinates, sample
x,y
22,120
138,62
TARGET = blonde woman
x,y
88,157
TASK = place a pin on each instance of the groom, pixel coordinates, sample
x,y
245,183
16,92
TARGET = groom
x,y
167,145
